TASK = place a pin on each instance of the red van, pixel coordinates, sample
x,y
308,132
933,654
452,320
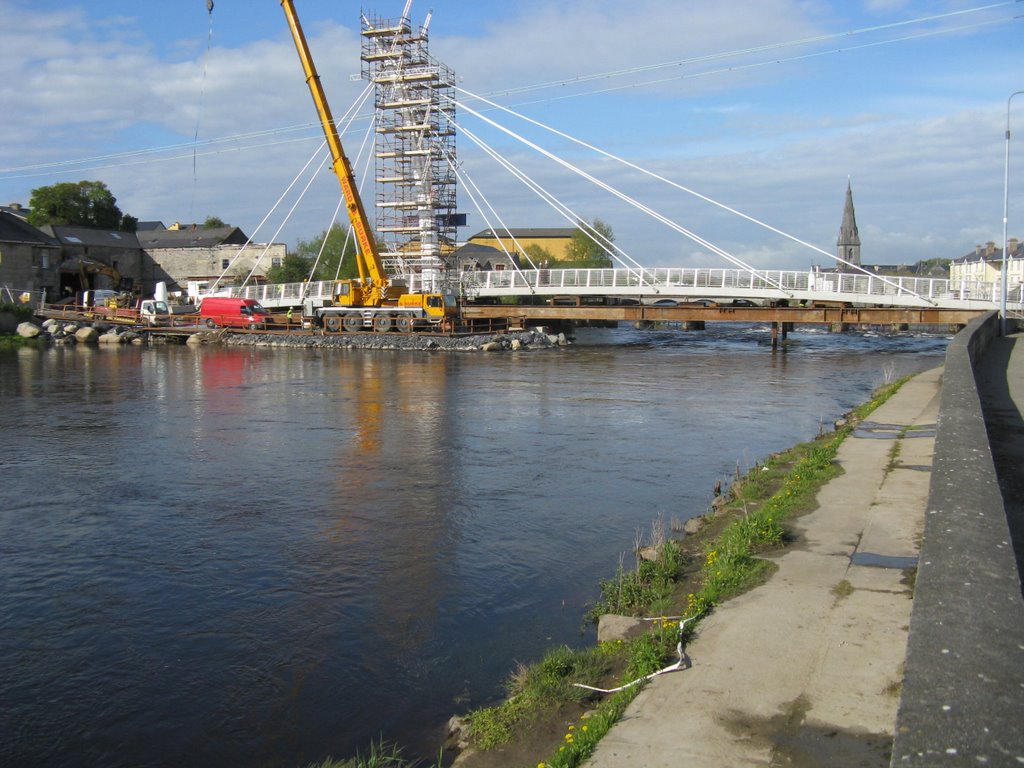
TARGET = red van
x,y
231,312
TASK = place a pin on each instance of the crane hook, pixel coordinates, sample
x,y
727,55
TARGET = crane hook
x,y
209,7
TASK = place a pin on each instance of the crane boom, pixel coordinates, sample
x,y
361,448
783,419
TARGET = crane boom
x,y
372,277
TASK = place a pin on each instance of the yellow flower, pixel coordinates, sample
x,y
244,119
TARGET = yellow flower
x,y
571,727
583,728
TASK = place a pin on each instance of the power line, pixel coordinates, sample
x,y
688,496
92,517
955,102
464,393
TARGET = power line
x,y
140,156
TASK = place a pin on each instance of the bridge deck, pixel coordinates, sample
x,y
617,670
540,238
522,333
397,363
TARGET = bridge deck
x,y
649,285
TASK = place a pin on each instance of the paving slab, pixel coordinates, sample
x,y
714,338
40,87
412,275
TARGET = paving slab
x,y
806,669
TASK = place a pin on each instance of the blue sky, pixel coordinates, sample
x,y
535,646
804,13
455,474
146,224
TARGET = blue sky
x,y
768,106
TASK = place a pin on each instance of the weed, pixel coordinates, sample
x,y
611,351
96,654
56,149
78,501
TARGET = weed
x,y
843,589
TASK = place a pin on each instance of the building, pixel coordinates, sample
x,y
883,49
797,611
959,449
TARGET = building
x,y
848,244
554,241
206,255
985,263
473,257
56,262
28,260
97,258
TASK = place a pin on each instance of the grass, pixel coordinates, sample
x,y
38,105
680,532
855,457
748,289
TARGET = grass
x,y
380,755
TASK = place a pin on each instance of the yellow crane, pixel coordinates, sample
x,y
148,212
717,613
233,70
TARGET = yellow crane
x,y
372,300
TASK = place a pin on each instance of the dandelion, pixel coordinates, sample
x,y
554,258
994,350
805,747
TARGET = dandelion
x,y
583,728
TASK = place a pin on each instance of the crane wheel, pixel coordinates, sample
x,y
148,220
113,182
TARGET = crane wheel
x,y
404,324
382,323
332,324
352,323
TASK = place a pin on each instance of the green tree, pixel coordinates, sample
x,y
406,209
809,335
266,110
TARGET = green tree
x,y
78,204
293,269
539,255
213,222
336,251
589,247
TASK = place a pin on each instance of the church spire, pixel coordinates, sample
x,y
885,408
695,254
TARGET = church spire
x,y
849,240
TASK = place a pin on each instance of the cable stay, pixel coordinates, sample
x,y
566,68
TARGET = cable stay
x,y
759,274
615,252
347,119
696,194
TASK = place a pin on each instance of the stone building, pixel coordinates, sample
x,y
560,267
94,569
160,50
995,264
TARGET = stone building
x,y
29,260
848,244
190,254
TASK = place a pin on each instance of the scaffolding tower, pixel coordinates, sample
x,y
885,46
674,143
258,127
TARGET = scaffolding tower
x,y
415,149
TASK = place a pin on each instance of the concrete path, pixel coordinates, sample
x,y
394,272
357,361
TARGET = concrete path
x,y
805,670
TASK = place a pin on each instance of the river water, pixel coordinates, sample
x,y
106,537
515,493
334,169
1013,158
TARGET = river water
x,y
225,556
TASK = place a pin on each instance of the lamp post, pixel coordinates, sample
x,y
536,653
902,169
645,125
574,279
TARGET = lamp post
x,y
1006,205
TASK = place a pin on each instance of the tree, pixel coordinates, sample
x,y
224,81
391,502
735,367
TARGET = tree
x,y
293,269
539,255
590,246
336,251
78,204
213,222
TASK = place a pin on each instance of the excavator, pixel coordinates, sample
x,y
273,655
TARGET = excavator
x,y
372,301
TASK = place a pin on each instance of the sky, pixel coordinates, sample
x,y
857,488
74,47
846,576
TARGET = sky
x,y
767,107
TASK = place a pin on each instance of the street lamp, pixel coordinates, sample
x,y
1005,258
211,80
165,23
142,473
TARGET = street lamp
x,y
1006,205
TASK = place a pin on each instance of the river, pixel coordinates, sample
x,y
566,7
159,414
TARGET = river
x,y
225,556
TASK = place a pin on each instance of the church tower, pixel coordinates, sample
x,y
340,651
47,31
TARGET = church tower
x,y
849,241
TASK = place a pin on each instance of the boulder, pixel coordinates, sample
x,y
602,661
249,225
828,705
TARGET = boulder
x,y
195,340
69,328
87,335
28,330
649,553
611,626
490,346
693,525
516,344
110,337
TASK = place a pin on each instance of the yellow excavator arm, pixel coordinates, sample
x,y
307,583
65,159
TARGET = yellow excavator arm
x,y
373,280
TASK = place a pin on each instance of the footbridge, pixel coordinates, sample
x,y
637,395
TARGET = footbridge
x,y
668,287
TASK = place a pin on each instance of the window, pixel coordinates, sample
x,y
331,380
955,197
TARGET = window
x,y
275,261
225,263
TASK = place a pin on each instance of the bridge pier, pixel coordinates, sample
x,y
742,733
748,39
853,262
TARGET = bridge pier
x,y
780,329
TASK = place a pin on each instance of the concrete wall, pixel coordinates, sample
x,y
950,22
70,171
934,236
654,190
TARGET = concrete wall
x,y
962,701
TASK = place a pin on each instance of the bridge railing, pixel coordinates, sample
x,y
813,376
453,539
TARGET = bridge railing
x,y
681,282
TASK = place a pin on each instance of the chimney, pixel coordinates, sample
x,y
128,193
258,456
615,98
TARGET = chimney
x,y
990,248
15,206
1012,248
977,250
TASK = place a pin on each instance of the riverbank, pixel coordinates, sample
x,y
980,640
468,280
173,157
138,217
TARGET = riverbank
x,y
807,668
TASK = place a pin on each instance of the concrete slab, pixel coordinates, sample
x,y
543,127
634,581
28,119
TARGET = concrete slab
x,y
806,668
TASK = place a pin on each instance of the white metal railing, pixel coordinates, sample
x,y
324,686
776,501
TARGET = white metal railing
x,y
686,282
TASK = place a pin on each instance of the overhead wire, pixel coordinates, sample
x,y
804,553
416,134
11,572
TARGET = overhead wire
x,y
89,163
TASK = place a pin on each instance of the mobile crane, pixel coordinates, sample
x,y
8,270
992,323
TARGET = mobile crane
x,y
373,300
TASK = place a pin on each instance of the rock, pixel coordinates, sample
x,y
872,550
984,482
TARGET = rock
x,y
693,525
28,330
719,502
51,326
516,344
69,328
649,553
611,626
87,335
110,337
195,340
490,346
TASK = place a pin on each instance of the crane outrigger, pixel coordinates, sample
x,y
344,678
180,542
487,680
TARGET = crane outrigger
x,y
373,300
